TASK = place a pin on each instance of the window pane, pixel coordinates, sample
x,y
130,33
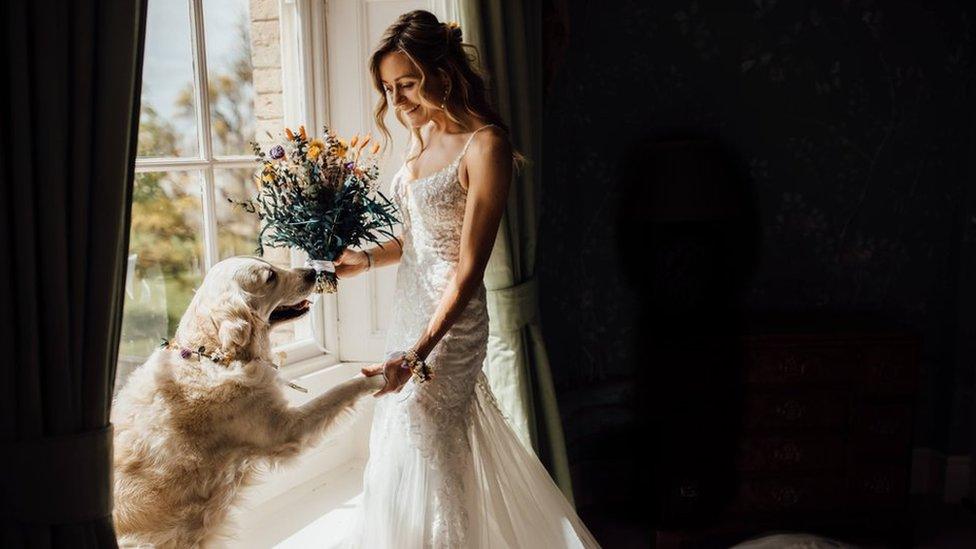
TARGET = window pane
x,y
229,70
237,230
167,121
165,262
237,233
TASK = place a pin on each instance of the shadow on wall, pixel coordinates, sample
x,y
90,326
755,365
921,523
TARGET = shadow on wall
x,y
689,239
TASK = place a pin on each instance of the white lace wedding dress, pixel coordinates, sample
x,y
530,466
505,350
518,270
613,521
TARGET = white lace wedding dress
x,y
445,468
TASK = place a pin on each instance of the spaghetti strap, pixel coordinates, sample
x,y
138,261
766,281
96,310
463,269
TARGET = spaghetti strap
x,y
471,138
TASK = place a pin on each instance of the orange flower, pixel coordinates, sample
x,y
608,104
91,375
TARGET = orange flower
x,y
289,135
353,141
376,148
301,132
341,147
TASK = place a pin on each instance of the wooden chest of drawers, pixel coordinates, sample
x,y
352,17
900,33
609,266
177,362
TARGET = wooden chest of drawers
x,y
823,441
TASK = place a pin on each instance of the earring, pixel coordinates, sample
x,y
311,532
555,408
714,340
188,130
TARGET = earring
x,y
444,102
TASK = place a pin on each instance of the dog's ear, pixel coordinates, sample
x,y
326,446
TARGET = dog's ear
x,y
235,331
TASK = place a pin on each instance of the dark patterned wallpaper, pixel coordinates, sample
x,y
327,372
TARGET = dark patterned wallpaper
x,y
854,126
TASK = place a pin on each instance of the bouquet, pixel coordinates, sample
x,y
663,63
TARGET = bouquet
x,y
319,196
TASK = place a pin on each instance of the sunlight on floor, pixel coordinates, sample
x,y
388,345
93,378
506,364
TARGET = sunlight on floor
x,y
316,515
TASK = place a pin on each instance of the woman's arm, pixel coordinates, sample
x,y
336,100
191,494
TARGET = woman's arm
x,y
354,262
489,167
387,255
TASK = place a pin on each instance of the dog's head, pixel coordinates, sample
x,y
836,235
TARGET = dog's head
x,y
238,302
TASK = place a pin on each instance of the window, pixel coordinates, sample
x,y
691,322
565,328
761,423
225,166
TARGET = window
x,y
265,64
194,154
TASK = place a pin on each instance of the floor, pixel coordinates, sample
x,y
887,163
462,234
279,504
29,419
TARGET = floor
x,y
937,526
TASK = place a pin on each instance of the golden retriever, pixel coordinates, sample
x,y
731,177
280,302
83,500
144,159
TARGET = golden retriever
x,y
190,427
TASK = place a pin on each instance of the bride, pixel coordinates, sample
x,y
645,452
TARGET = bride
x,y
445,468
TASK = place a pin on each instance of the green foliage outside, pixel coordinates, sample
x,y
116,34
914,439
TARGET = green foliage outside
x,y
166,235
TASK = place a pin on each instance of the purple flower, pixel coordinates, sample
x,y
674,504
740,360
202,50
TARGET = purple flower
x,y
277,152
349,165
185,353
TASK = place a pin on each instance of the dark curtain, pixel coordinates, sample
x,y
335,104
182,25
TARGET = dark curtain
x,y
69,106
508,35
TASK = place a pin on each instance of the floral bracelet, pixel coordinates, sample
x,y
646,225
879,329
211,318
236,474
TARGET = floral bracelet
x,y
417,366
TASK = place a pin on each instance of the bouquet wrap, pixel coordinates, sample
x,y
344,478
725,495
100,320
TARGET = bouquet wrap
x,y
325,277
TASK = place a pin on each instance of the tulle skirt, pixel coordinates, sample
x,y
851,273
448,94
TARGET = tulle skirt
x,y
477,488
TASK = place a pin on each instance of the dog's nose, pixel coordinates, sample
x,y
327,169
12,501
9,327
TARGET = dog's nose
x,y
309,275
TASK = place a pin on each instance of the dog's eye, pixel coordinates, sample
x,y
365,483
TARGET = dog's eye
x,y
272,276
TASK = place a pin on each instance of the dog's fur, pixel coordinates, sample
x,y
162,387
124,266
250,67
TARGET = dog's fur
x,y
188,432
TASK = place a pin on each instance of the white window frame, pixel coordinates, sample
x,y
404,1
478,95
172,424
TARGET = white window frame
x,y
302,355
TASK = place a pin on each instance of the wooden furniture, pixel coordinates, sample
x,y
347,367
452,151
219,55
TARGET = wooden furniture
x,y
825,439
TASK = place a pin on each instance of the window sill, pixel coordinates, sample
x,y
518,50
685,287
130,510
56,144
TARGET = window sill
x,y
313,497
316,363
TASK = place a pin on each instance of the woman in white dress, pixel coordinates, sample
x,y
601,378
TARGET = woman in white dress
x,y
445,468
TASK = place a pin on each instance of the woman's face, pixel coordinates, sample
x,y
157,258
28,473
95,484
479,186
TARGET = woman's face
x,y
401,81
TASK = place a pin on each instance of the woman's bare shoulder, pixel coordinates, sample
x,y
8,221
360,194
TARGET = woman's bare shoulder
x,y
489,141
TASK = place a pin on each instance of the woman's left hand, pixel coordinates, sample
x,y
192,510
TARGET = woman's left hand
x,y
394,373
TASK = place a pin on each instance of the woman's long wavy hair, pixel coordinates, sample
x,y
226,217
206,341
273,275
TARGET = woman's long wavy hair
x,y
435,48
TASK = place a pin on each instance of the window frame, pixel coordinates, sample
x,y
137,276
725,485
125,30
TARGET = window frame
x,y
322,346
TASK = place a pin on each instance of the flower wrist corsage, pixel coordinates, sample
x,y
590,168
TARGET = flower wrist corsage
x,y
417,366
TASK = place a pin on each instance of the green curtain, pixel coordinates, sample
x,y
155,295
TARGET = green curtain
x,y
508,36
70,79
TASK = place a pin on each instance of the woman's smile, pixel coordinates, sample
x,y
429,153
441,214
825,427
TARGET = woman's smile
x,y
415,107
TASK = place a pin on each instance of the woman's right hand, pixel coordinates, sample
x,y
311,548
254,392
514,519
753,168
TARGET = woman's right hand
x,y
351,263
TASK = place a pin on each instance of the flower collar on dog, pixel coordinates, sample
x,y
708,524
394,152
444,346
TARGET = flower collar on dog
x,y
217,357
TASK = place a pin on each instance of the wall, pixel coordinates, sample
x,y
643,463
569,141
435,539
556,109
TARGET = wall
x,y
853,123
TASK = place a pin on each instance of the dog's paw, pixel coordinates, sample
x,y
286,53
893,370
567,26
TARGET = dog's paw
x,y
373,383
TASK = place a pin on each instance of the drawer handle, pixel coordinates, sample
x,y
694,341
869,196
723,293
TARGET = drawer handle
x,y
791,366
880,485
790,410
786,496
883,372
788,453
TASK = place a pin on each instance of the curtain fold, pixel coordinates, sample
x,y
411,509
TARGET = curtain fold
x,y
508,35
70,80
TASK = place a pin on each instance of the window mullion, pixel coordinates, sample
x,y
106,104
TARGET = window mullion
x,y
202,87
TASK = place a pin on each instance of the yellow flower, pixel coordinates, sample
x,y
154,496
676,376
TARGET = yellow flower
x,y
313,152
317,143
341,147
